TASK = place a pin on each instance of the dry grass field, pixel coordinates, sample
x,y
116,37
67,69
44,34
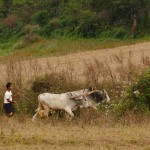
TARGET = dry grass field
x,y
103,62
19,133
86,131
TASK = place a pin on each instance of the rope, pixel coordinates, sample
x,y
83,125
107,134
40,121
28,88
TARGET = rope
x,y
17,106
28,99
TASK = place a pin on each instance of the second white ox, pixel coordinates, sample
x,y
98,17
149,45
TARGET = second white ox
x,y
70,101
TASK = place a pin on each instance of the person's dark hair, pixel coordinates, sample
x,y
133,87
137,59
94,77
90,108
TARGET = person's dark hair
x,y
8,85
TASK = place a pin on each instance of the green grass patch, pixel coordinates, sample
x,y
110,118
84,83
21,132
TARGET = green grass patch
x,y
57,47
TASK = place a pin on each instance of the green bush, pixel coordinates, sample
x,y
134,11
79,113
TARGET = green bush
x,y
46,30
28,102
50,28
30,29
138,93
26,40
115,33
2,13
89,27
41,18
19,45
69,22
119,33
8,33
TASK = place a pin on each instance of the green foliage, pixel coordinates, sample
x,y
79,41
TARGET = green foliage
x,y
115,33
41,18
28,103
138,94
54,82
89,27
26,40
2,13
52,28
30,29
104,19
7,33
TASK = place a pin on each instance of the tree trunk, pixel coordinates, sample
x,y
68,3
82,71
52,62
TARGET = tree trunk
x,y
134,26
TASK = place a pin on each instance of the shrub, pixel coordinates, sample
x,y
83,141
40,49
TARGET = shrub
x,y
10,21
50,27
10,33
116,33
119,33
41,18
89,26
28,39
2,13
26,15
31,28
69,22
19,45
138,93
49,83
55,23
31,38
2,27
46,30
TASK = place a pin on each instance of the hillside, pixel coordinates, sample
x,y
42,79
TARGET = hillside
x,y
23,23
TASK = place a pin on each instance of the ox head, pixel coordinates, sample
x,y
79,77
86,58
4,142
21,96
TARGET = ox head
x,y
100,96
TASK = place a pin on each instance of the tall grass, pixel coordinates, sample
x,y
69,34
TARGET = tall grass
x,y
34,76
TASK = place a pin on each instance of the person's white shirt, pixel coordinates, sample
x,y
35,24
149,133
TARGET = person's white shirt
x,y
8,95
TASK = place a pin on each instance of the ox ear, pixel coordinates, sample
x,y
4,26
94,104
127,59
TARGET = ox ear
x,y
91,88
94,88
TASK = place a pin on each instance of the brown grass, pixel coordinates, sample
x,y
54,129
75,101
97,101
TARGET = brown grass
x,y
113,60
21,133
10,21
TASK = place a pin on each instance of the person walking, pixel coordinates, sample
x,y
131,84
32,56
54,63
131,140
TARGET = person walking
x,y
8,100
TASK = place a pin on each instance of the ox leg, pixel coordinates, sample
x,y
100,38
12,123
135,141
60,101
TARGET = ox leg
x,y
46,112
37,112
69,112
58,114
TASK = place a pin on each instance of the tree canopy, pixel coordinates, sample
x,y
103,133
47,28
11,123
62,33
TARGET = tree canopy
x,y
84,18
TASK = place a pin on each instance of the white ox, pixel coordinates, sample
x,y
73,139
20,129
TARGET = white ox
x,y
70,101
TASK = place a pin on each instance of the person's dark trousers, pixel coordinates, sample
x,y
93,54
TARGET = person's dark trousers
x,y
9,109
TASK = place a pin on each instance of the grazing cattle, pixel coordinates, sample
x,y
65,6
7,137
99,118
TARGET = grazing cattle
x,y
70,101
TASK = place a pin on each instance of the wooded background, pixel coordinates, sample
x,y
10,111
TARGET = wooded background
x,y
117,19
